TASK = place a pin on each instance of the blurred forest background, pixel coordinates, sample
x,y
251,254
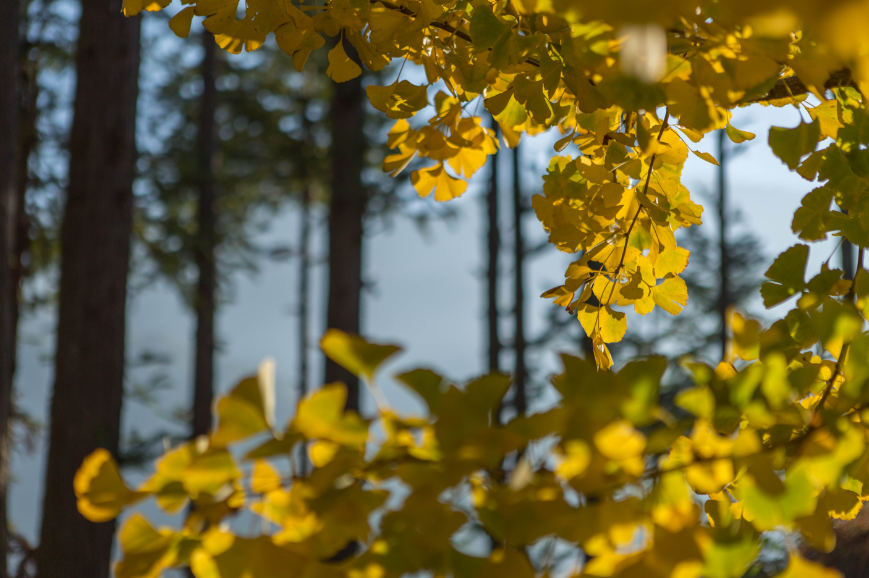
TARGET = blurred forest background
x,y
178,213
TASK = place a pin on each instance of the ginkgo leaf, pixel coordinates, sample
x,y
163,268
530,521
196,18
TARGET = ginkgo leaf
x,y
791,144
671,262
341,67
321,416
671,295
99,488
445,186
180,23
706,157
355,354
736,135
133,7
298,43
788,275
248,409
398,100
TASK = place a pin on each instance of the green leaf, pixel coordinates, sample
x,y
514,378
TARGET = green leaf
x,y
791,144
354,354
788,273
486,28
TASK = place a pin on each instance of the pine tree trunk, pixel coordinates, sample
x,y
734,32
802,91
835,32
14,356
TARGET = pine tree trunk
x,y
9,67
346,214
206,243
493,250
521,395
724,256
95,252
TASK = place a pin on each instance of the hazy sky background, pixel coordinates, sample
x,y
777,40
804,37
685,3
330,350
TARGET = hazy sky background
x,y
427,295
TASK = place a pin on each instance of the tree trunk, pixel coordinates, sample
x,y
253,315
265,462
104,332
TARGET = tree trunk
x,y
724,255
493,249
28,138
521,395
206,244
9,67
95,252
346,213
847,258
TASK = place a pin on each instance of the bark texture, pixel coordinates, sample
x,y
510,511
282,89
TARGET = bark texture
x,y
205,301
346,215
95,251
8,146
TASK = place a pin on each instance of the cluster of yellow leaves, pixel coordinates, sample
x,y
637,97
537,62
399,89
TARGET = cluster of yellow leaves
x,y
598,73
781,443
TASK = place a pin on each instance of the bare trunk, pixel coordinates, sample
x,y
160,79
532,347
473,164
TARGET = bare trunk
x,y
494,248
848,258
304,268
28,138
95,252
206,244
724,255
8,147
346,213
521,399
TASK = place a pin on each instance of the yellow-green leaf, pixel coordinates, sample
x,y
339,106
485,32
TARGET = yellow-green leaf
x,y
100,490
355,354
341,67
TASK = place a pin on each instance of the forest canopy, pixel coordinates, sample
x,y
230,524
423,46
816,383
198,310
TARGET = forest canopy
x,y
772,437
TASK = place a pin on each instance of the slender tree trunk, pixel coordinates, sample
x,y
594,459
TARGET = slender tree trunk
x,y
494,249
28,137
304,269
848,258
9,67
206,245
346,214
724,255
521,399
95,252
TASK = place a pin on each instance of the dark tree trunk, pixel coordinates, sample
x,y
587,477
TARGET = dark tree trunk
x,y
521,395
493,251
847,258
724,299
346,214
28,138
304,269
206,243
9,68
95,252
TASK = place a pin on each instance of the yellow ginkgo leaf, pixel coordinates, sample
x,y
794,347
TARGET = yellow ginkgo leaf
x,y
298,42
248,409
180,23
321,416
355,354
133,7
671,295
100,490
399,99
446,186
341,67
